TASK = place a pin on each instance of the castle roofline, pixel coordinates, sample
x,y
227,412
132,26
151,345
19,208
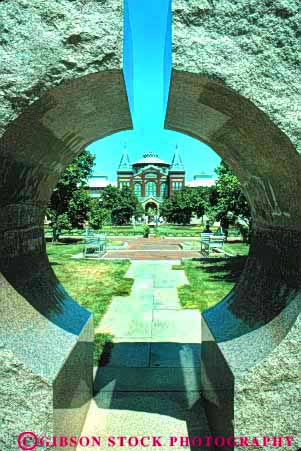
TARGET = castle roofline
x,y
151,160
177,163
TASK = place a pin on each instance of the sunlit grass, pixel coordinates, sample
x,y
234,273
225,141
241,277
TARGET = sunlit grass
x,y
237,248
210,280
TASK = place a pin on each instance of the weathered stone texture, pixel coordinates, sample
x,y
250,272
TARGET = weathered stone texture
x,y
26,401
236,85
250,46
61,87
44,43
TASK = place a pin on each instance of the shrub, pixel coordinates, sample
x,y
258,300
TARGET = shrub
x,y
146,231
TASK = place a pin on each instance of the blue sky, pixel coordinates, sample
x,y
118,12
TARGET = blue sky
x,y
145,46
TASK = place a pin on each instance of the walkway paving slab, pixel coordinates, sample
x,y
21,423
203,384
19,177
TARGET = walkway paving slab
x,y
127,354
128,308
170,279
141,267
175,355
180,325
127,326
166,298
147,379
134,302
143,285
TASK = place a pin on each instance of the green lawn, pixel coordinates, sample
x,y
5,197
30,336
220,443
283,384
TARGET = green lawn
x,y
209,281
237,248
92,283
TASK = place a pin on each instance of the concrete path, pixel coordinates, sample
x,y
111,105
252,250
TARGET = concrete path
x,y
149,383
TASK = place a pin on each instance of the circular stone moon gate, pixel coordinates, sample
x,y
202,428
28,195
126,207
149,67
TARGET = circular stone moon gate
x,y
234,86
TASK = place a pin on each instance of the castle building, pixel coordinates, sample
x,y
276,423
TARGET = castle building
x,y
152,179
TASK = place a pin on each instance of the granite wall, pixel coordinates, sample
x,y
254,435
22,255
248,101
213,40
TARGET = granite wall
x,y
61,87
236,86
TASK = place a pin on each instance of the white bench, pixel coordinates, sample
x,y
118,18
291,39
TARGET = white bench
x,y
211,242
95,245
205,237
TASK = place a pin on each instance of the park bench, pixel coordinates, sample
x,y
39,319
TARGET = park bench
x,y
211,242
205,237
95,244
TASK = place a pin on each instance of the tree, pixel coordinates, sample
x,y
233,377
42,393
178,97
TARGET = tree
x,y
79,207
98,216
179,207
108,197
200,197
127,206
69,203
123,204
229,202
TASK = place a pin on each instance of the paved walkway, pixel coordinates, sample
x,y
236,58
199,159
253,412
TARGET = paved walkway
x,y
153,249
150,382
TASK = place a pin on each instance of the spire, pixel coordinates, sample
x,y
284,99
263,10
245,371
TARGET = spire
x,y
177,163
125,164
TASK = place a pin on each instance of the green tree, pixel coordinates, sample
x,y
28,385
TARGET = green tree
x,y
228,201
123,204
178,209
108,197
127,206
98,216
79,207
69,202
200,198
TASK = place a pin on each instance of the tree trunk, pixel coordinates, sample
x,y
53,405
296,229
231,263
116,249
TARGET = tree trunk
x,y
55,233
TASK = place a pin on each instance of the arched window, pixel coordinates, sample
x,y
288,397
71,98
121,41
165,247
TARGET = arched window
x,y
164,190
151,189
137,189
